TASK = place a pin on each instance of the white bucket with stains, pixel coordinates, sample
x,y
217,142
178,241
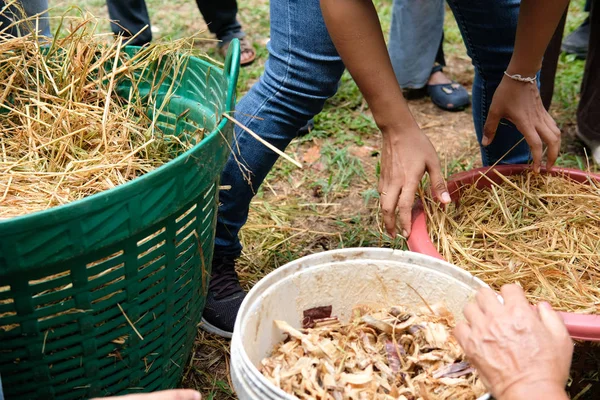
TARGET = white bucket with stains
x,y
343,279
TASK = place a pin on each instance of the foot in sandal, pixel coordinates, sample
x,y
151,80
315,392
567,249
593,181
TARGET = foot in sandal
x,y
247,49
177,394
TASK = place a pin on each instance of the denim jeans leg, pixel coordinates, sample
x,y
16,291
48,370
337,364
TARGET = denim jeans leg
x,y
588,111
130,17
415,37
31,8
221,17
302,71
488,29
440,58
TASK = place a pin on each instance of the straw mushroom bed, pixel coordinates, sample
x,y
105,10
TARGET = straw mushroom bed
x,y
539,231
389,353
64,132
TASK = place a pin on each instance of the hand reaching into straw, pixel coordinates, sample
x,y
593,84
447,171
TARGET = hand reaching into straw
x,y
520,103
405,157
178,394
521,352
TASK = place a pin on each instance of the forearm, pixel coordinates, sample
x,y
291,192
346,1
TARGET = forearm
x,y
538,20
356,32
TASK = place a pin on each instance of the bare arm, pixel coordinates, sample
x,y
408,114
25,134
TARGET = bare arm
x,y
356,32
538,20
406,152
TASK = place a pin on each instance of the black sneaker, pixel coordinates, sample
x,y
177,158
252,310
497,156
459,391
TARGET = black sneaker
x,y
577,42
225,296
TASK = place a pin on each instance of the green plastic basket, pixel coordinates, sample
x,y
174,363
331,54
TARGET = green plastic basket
x,y
139,252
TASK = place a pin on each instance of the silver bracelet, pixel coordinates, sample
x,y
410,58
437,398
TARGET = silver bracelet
x,y
518,77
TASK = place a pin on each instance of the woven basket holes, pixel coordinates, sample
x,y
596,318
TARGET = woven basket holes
x,y
188,245
103,273
151,254
7,309
52,298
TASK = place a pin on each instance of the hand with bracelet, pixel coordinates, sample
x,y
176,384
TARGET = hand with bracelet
x,y
517,98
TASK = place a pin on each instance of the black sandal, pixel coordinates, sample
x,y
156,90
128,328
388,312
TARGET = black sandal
x,y
448,96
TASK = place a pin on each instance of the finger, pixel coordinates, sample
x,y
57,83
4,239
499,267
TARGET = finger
x,y
474,315
176,394
535,143
462,332
389,201
491,125
488,301
407,198
513,295
552,124
552,320
553,141
438,183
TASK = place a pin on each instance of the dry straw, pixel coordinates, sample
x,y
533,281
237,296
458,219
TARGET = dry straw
x,y
64,132
539,231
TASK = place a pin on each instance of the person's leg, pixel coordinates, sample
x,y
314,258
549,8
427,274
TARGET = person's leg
x,y
129,17
588,112
302,71
444,93
488,29
39,7
440,58
31,8
416,44
415,37
577,42
221,17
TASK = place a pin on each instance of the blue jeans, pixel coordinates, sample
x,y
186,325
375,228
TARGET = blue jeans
x,y
31,7
303,70
415,40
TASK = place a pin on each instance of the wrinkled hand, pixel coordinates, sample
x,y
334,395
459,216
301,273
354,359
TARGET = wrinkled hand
x,y
405,157
177,394
520,103
516,348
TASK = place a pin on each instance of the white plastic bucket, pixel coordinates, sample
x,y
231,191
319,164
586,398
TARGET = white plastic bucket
x,y
343,279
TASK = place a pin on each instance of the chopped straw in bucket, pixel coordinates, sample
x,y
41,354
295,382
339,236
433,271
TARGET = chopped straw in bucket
x,y
388,353
539,231
64,132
